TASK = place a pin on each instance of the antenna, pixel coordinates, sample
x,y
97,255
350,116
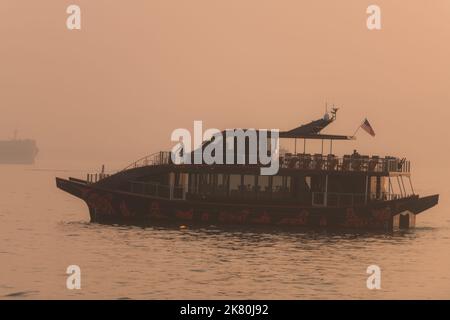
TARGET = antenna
x,y
326,116
334,110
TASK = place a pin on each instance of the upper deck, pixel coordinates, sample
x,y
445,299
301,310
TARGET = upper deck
x,y
288,162
309,162
347,163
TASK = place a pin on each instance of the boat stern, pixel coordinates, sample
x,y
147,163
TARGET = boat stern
x,y
407,217
421,204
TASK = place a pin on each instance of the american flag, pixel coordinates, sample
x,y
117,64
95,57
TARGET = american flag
x,y
368,128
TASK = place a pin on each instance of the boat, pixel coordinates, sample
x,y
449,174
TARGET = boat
x,y
18,151
312,191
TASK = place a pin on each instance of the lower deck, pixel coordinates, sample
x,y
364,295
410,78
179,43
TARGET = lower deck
x,y
116,206
333,190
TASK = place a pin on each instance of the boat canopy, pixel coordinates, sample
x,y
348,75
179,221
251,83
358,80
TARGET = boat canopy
x,y
285,134
312,130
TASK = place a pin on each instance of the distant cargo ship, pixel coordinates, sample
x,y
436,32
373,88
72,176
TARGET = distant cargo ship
x,y
18,151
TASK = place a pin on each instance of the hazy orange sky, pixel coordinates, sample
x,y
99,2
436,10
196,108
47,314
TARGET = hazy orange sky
x,y
139,69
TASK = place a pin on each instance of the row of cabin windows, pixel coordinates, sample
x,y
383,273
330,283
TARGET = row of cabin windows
x,y
276,186
236,185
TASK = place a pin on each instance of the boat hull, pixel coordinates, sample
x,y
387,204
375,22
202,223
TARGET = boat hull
x,y
111,206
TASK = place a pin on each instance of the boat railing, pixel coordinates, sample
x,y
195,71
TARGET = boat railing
x,y
345,163
334,199
155,189
290,161
96,177
309,162
157,158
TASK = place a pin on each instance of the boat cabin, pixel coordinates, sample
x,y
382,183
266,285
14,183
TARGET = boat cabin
x,y
304,179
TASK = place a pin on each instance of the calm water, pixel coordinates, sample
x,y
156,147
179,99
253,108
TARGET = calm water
x,y
43,230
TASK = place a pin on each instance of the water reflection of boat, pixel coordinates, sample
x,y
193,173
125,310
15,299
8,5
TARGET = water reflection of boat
x,y
309,191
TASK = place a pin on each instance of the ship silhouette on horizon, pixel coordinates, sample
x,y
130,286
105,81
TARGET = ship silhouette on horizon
x,y
18,151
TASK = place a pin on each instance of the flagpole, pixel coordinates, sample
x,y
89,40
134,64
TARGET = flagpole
x,y
357,129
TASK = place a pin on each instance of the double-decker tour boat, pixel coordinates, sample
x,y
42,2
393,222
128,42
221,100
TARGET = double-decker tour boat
x,y
308,191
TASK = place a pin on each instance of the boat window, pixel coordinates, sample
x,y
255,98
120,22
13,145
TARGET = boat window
x,y
205,184
318,183
248,186
193,183
377,188
303,189
177,179
373,188
249,183
221,185
263,187
384,187
303,184
308,182
287,183
277,183
235,184
281,186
